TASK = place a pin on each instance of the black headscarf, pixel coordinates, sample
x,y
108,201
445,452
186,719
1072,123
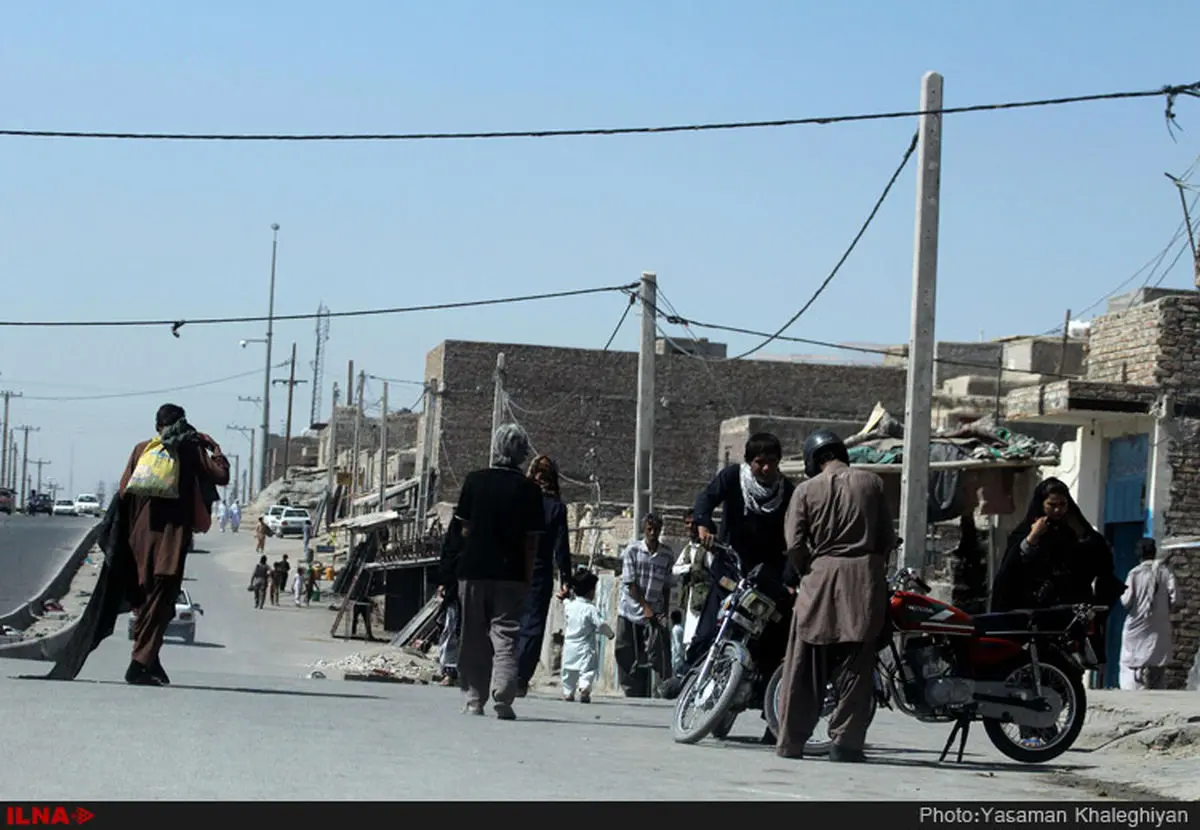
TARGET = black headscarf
x,y
1072,563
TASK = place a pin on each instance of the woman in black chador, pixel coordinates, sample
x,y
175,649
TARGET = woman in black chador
x,y
1055,557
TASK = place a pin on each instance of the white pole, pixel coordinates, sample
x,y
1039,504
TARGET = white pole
x,y
914,484
643,477
497,402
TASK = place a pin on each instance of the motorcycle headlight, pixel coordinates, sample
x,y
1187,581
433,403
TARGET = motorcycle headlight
x,y
756,605
727,583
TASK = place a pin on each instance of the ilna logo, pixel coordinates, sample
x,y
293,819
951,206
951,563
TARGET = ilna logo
x,y
21,816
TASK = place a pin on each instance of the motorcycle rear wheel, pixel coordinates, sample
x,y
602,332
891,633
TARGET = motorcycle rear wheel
x,y
1057,671
771,707
722,683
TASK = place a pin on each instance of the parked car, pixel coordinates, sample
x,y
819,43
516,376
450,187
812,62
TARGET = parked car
x,y
273,515
88,505
40,503
64,507
293,521
183,625
8,502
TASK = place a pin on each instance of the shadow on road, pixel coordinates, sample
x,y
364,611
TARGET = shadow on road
x,y
577,723
247,690
199,644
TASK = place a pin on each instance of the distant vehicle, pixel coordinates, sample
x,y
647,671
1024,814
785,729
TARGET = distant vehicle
x,y
184,623
64,507
87,505
40,503
292,521
8,502
273,515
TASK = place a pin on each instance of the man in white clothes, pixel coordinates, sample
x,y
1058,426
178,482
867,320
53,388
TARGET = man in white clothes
x,y
584,624
691,577
1146,640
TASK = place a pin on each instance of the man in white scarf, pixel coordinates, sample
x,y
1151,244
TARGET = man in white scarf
x,y
1146,639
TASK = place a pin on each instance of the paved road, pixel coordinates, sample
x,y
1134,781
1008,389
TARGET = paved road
x,y
240,719
33,550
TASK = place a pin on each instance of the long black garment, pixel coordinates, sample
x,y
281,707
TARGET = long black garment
x,y
554,553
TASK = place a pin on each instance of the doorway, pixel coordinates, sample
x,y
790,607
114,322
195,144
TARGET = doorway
x,y
1124,524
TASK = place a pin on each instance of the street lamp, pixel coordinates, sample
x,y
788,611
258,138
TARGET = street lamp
x,y
266,404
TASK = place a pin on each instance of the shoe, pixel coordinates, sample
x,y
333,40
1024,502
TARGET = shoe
x,y
846,756
768,737
522,689
504,711
139,675
473,708
585,696
159,672
569,698
788,752
670,688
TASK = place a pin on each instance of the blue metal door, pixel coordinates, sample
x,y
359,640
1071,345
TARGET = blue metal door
x,y
1125,522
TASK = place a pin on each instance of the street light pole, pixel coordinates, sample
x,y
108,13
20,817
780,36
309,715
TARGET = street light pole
x,y
266,405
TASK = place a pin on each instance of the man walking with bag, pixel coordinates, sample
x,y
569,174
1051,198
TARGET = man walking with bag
x,y
167,492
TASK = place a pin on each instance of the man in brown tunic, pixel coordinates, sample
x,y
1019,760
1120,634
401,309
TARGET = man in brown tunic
x,y
160,534
839,534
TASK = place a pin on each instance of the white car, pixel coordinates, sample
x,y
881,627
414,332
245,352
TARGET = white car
x,y
88,505
292,521
183,625
272,516
64,507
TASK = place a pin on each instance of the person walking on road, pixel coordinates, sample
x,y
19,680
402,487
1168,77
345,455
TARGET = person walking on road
x,y
260,535
235,516
584,624
258,582
643,641
222,515
161,529
554,554
839,535
502,517
1149,598
298,587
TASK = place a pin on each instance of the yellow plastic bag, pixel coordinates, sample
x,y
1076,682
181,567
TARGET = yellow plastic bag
x,y
156,473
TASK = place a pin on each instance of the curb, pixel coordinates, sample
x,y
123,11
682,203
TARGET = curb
x,y
57,587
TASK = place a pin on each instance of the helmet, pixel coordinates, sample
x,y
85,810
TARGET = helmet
x,y
822,442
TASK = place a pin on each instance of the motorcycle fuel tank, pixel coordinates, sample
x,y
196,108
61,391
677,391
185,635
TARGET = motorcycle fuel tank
x,y
917,612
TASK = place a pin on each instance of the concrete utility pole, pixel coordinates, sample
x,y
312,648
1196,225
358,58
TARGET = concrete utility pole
x,y
12,454
4,437
266,402
497,402
643,470
383,449
424,488
1062,353
287,438
249,433
25,462
331,458
237,472
914,483
40,463
358,416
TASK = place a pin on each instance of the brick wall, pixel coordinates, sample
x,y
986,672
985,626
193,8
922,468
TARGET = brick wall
x,y
1124,347
579,406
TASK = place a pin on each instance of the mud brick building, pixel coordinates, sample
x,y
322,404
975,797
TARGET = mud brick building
x,y
1135,464
579,406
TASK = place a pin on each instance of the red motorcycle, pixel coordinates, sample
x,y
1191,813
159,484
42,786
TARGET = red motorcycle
x,y
1020,672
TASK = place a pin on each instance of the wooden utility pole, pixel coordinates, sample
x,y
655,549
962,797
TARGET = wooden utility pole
x,y
4,437
237,473
424,487
1062,353
358,416
497,402
383,450
643,470
918,429
25,461
287,437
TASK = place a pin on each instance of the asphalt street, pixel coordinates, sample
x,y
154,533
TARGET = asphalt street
x,y
33,550
242,721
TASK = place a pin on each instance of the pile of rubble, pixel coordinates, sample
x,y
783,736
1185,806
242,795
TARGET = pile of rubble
x,y
302,488
395,665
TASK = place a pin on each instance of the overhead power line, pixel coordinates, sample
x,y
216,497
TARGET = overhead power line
x,y
1171,92
845,256
145,392
369,312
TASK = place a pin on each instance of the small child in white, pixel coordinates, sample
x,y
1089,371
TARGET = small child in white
x,y
583,624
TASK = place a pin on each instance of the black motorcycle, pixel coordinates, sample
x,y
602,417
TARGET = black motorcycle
x,y
728,681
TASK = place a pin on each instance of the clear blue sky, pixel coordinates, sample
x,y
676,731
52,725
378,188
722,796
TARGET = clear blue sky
x,y
1042,210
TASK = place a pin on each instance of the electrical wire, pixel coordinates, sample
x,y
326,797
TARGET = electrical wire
x,y
1171,92
184,388
369,312
845,256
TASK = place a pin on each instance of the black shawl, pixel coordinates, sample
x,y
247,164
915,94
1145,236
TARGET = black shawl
x,y
1072,563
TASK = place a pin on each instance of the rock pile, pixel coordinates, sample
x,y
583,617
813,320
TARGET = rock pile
x,y
400,665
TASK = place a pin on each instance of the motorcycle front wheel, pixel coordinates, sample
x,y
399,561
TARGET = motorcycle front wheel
x,y
705,701
819,743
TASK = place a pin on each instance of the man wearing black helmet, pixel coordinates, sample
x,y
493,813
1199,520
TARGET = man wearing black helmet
x,y
839,534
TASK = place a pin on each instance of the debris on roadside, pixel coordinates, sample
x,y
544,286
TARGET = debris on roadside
x,y
385,665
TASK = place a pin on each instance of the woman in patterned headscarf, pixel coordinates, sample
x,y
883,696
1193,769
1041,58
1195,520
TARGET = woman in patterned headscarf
x,y
554,552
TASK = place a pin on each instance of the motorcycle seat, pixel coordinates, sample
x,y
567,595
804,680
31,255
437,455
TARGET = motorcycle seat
x,y
1024,620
